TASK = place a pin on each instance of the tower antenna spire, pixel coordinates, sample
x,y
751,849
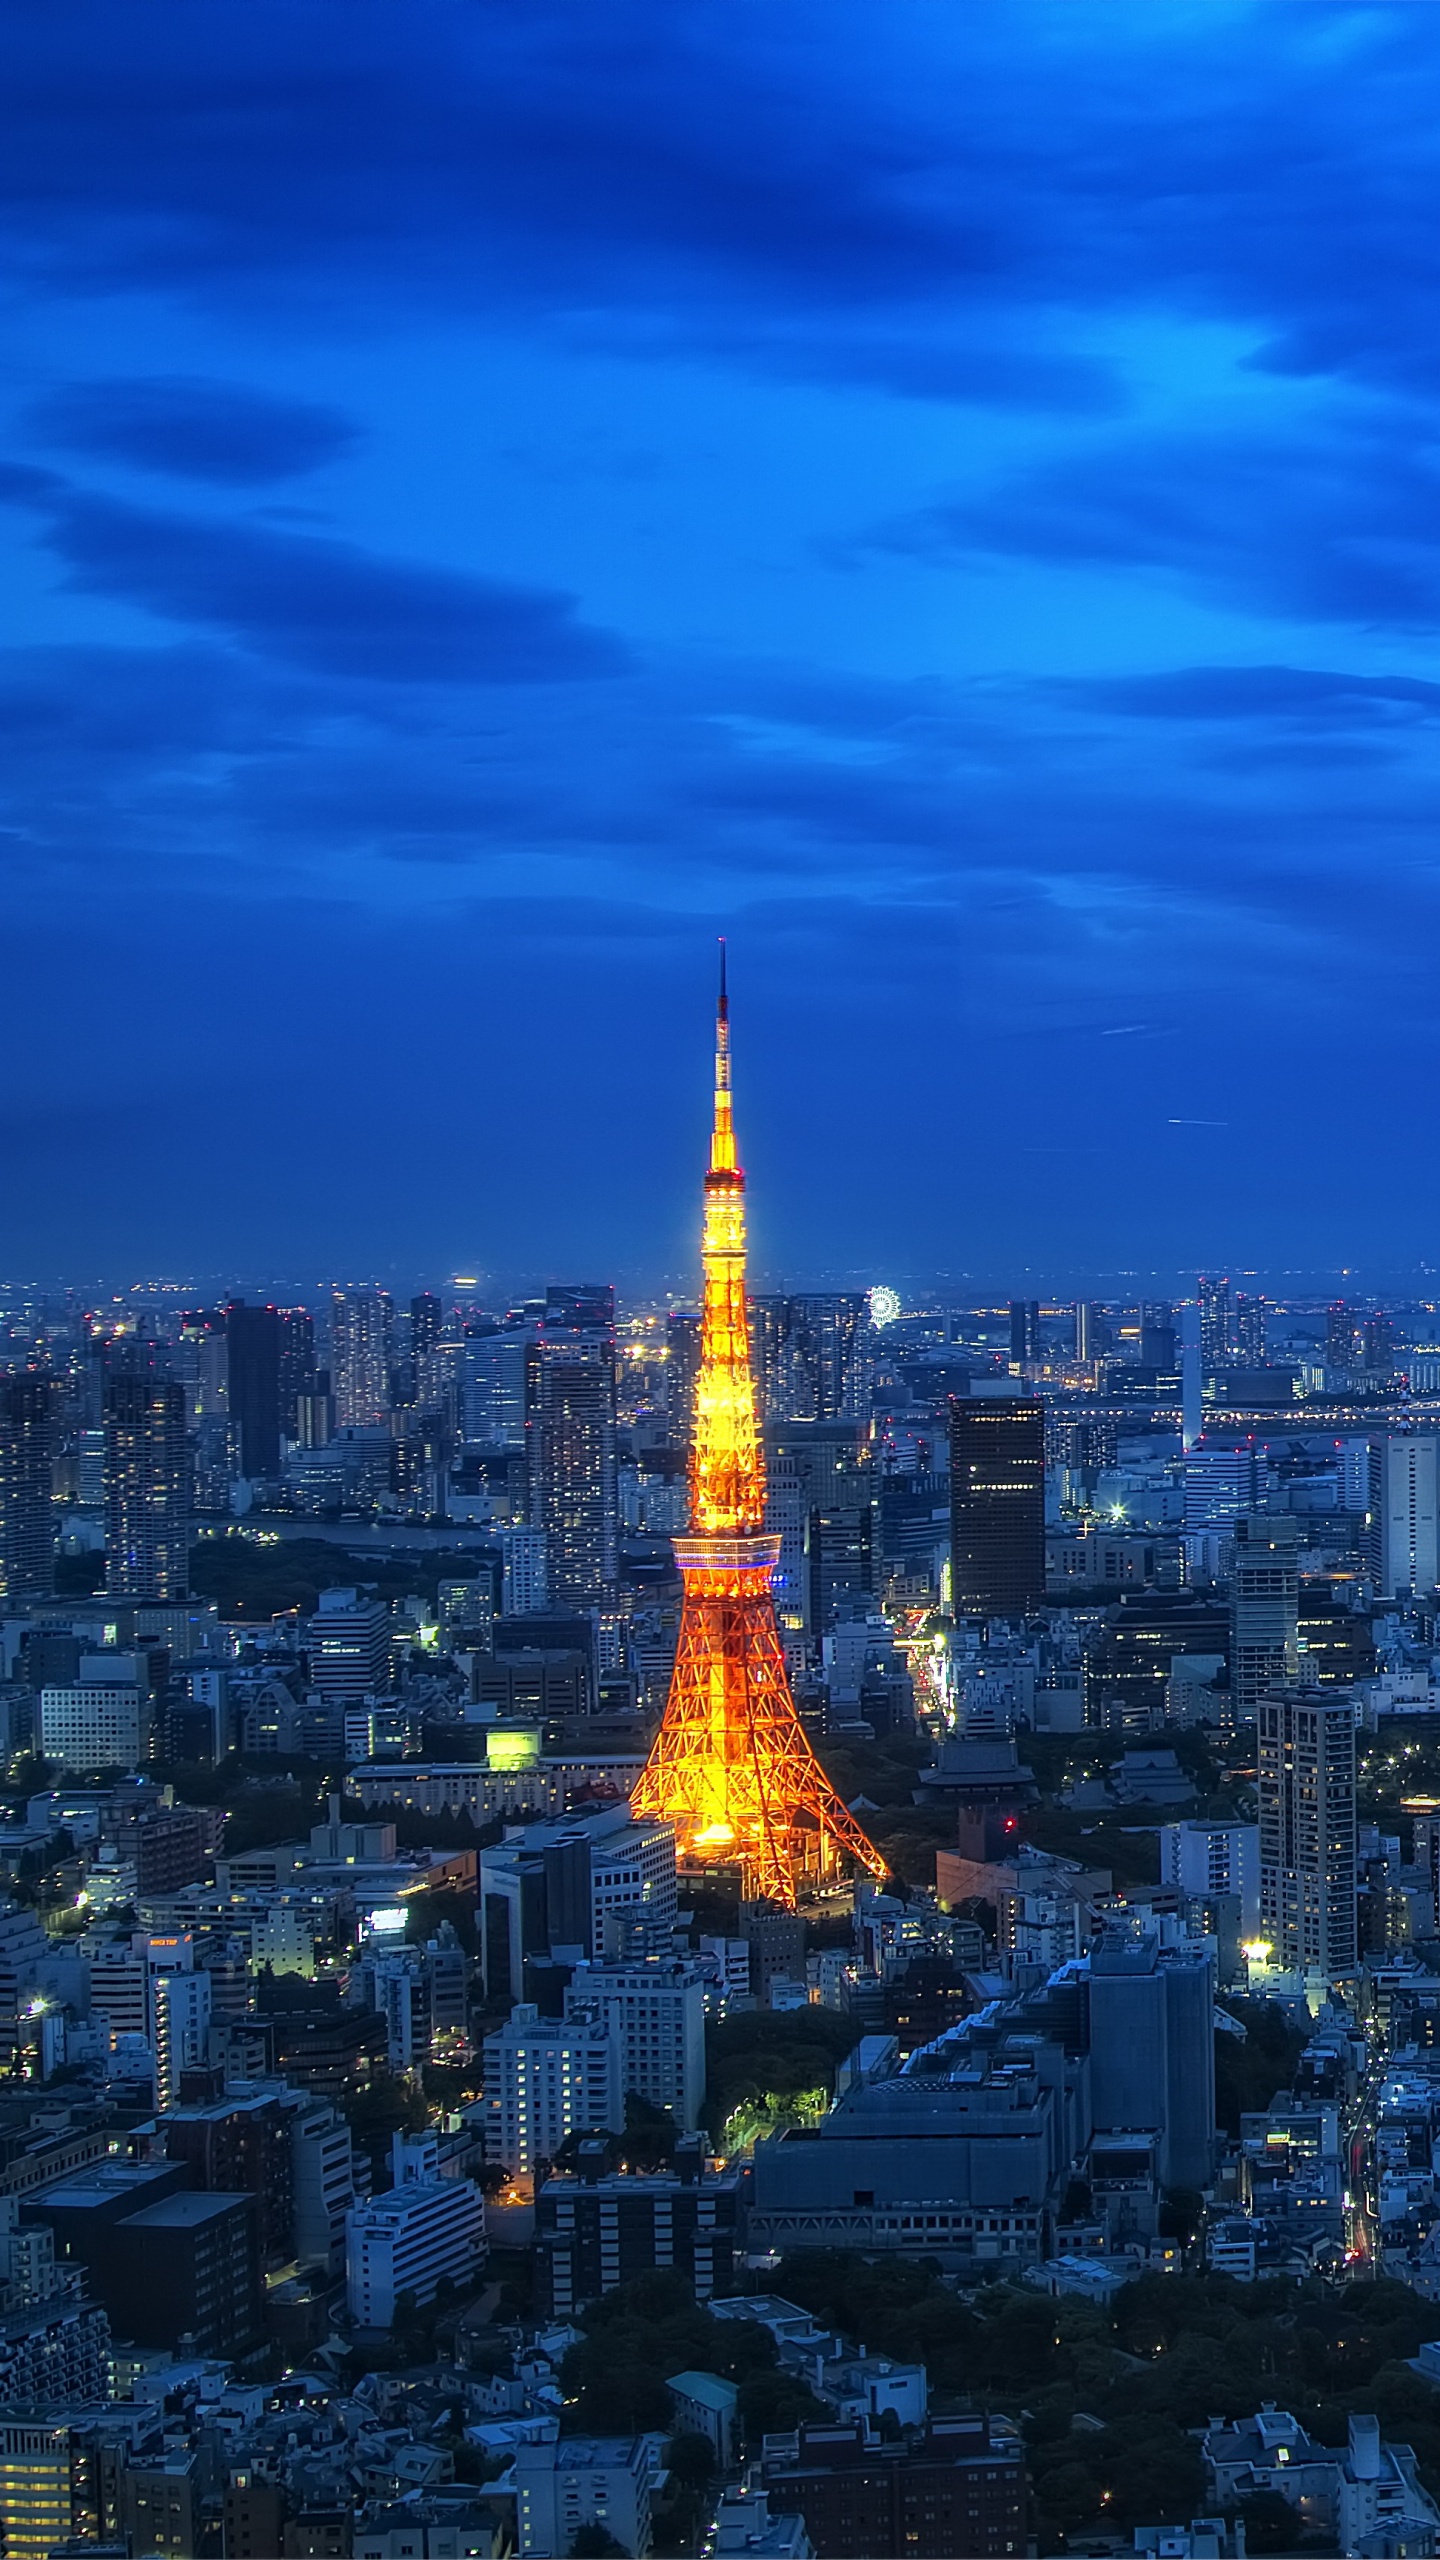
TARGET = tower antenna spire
x,y
732,1766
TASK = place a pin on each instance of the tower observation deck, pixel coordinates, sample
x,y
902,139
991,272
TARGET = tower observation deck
x,y
732,1766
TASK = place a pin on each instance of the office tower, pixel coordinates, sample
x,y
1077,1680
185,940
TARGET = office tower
x,y
45,2491
1215,1319
546,2078
315,1412
602,1881
360,1355
1024,1331
1086,1330
682,1374
1219,1484
1134,1660
147,1552
28,1447
1264,1607
349,1647
1152,2050
297,1365
427,1318
1307,1830
1340,1337
1159,1340
572,1470
1336,1643
732,1766
997,1506
1248,1330
661,2009
1404,1482
493,1376
252,1338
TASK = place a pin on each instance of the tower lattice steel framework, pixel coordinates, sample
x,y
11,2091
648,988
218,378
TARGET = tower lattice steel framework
x,y
732,1765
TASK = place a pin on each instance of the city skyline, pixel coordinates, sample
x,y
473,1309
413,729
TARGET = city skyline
x,y
487,513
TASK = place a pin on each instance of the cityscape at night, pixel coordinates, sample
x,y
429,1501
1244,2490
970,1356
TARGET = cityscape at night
x,y
719,1305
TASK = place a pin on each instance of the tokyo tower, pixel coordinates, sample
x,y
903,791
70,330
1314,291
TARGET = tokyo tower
x,y
732,1765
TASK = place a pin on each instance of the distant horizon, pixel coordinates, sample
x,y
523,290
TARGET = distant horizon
x,y
941,1291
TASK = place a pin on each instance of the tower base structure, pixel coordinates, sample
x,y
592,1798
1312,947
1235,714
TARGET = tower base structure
x,y
732,1766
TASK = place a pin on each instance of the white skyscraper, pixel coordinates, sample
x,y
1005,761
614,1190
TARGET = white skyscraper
x,y
1405,1514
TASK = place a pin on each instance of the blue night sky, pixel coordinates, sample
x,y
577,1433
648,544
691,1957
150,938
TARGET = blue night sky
x,y
498,495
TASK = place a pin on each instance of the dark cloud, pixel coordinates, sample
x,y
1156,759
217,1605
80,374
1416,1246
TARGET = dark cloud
x,y
191,429
1309,698
835,189
326,606
1335,520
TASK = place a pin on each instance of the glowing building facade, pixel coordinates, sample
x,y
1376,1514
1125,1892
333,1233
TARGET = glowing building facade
x,y
732,1767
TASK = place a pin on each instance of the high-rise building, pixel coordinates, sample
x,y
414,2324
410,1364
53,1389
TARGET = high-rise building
x,y
601,1880
147,1550
297,1365
830,1358
1152,2049
1248,1330
1340,1337
570,1446
1307,1830
812,1356
360,1355
493,1373
732,1766
1264,1607
1216,1344
1159,1339
252,1339
427,1323
1378,1342
28,1447
997,1506
682,1372
1404,1504
1024,1331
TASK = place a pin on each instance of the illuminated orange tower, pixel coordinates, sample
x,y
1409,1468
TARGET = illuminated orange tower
x,y
732,1766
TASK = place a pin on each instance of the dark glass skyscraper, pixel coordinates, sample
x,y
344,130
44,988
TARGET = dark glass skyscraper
x,y
1024,1330
146,1488
997,1506
570,1445
27,1459
252,1340
297,1365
